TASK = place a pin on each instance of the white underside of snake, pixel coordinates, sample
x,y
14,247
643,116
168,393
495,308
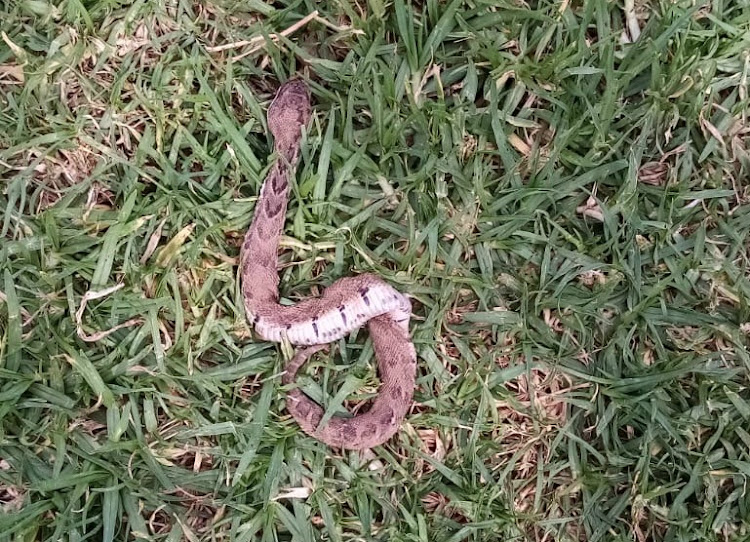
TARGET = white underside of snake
x,y
347,304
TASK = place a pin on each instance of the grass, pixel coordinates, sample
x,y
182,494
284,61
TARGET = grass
x,y
568,210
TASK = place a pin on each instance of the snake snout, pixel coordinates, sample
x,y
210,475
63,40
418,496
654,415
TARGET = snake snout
x,y
290,110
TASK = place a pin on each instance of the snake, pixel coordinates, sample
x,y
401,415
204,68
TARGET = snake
x,y
349,303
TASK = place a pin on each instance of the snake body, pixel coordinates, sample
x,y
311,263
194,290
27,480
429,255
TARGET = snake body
x,y
346,304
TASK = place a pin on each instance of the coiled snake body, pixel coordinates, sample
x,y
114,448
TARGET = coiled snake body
x,y
347,304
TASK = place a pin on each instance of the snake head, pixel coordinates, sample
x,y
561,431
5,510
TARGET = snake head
x,y
289,113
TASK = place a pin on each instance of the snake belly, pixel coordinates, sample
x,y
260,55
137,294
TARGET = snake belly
x,y
347,304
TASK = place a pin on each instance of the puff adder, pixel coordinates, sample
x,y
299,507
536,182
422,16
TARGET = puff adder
x,y
348,303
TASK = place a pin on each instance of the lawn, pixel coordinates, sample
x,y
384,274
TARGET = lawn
x,y
561,187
